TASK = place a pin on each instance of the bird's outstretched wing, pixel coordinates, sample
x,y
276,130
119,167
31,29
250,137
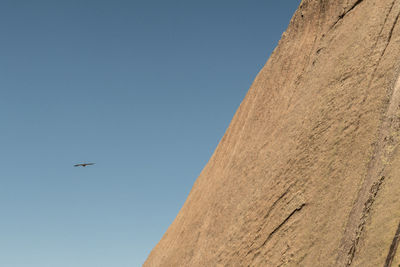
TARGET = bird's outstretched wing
x,y
84,164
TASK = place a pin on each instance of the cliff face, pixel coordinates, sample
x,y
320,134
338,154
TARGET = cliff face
x,y
308,172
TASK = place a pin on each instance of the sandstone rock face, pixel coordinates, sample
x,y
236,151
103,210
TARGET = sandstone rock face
x,y
308,172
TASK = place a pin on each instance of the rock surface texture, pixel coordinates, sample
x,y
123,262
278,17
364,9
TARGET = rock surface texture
x,y
308,172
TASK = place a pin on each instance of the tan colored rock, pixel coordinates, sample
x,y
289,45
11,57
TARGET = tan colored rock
x,y
308,172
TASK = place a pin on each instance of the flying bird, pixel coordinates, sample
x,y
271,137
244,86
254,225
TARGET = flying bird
x,y
83,164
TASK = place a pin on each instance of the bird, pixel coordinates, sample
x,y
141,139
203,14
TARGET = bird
x,y
83,164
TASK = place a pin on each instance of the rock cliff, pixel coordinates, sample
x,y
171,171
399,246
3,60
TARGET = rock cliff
x,y
308,172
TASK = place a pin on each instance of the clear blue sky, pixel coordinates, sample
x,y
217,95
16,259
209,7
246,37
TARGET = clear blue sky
x,y
146,89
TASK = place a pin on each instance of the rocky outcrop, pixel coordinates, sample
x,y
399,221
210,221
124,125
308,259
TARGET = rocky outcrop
x,y
308,172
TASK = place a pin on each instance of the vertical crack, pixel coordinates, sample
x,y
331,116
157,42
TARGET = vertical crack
x,y
393,248
389,37
383,148
367,206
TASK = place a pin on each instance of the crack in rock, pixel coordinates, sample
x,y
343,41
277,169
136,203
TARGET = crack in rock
x,y
393,248
387,140
341,16
367,207
275,230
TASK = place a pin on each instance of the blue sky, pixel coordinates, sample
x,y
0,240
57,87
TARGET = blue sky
x,y
146,89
